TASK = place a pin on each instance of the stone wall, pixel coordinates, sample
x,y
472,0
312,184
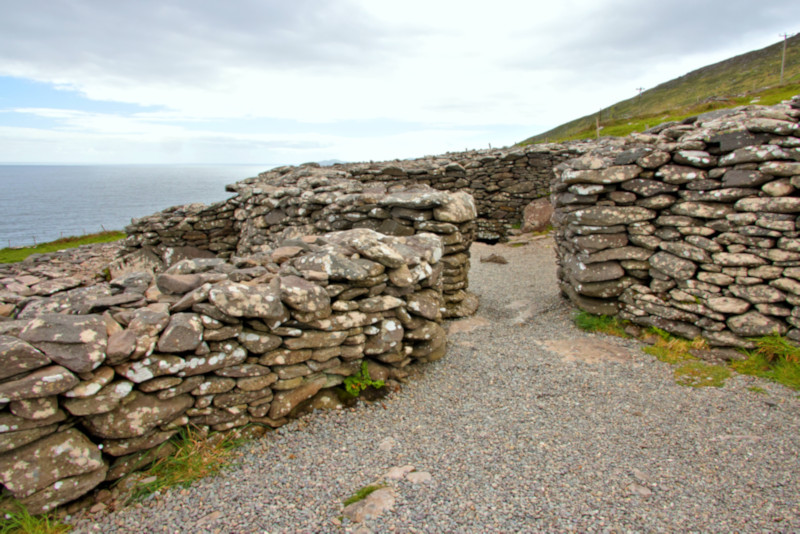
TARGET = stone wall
x,y
691,227
502,182
307,201
89,393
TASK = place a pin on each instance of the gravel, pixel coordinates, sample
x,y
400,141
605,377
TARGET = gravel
x,y
517,438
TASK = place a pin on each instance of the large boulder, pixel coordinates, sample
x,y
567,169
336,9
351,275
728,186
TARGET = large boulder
x,y
536,215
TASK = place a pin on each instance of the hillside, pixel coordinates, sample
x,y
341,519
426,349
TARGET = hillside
x,y
733,82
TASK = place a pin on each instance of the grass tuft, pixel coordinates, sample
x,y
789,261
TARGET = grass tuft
x,y
671,349
774,348
363,493
197,457
604,324
21,522
774,358
11,255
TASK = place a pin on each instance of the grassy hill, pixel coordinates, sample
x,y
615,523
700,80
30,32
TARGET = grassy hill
x,y
733,82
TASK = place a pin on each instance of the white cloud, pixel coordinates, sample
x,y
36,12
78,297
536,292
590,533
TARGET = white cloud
x,y
455,71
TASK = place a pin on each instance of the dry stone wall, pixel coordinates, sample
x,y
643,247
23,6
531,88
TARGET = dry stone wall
x,y
96,378
691,227
502,183
302,202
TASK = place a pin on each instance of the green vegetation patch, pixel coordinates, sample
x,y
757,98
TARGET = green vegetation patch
x,y
671,349
753,77
699,374
363,493
604,324
21,522
774,358
357,383
11,255
197,457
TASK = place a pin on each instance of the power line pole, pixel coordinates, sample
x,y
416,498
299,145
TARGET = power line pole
x,y
783,56
640,89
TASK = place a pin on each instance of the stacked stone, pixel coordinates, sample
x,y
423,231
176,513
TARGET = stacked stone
x,y
267,214
88,394
41,275
502,183
192,225
691,227
292,202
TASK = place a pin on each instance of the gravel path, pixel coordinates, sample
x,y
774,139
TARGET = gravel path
x,y
519,434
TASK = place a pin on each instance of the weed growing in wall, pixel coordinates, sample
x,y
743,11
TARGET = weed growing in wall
x,y
357,383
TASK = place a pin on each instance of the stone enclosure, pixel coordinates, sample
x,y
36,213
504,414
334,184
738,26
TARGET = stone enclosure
x,y
502,183
691,227
96,378
246,310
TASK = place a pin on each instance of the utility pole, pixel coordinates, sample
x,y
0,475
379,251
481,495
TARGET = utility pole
x,y
783,57
640,89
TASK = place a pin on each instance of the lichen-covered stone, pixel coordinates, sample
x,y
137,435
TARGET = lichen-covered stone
x,y
105,400
137,416
240,300
771,205
673,266
19,357
458,208
753,323
43,382
302,295
78,342
33,467
183,333
610,215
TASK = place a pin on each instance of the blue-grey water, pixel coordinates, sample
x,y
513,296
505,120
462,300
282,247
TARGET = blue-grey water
x,y
44,202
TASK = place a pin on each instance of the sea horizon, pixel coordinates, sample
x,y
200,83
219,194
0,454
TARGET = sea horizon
x,y
46,201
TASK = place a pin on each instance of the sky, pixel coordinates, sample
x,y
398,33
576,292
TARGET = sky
x,y
278,82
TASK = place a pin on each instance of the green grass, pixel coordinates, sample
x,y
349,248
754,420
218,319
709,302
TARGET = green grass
x,y
603,324
363,493
775,358
671,349
11,255
734,82
197,457
22,522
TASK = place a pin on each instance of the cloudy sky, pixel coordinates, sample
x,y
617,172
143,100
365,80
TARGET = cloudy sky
x,y
287,81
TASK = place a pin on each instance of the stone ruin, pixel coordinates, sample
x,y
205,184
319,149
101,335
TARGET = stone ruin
x,y
245,313
691,227
308,202
96,378
501,182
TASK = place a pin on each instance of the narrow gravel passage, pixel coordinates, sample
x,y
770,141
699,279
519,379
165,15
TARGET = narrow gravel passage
x,y
527,425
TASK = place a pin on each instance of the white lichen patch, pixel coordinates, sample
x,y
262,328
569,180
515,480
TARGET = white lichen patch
x,y
88,336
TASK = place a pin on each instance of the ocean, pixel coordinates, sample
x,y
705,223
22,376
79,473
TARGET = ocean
x,y
41,203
